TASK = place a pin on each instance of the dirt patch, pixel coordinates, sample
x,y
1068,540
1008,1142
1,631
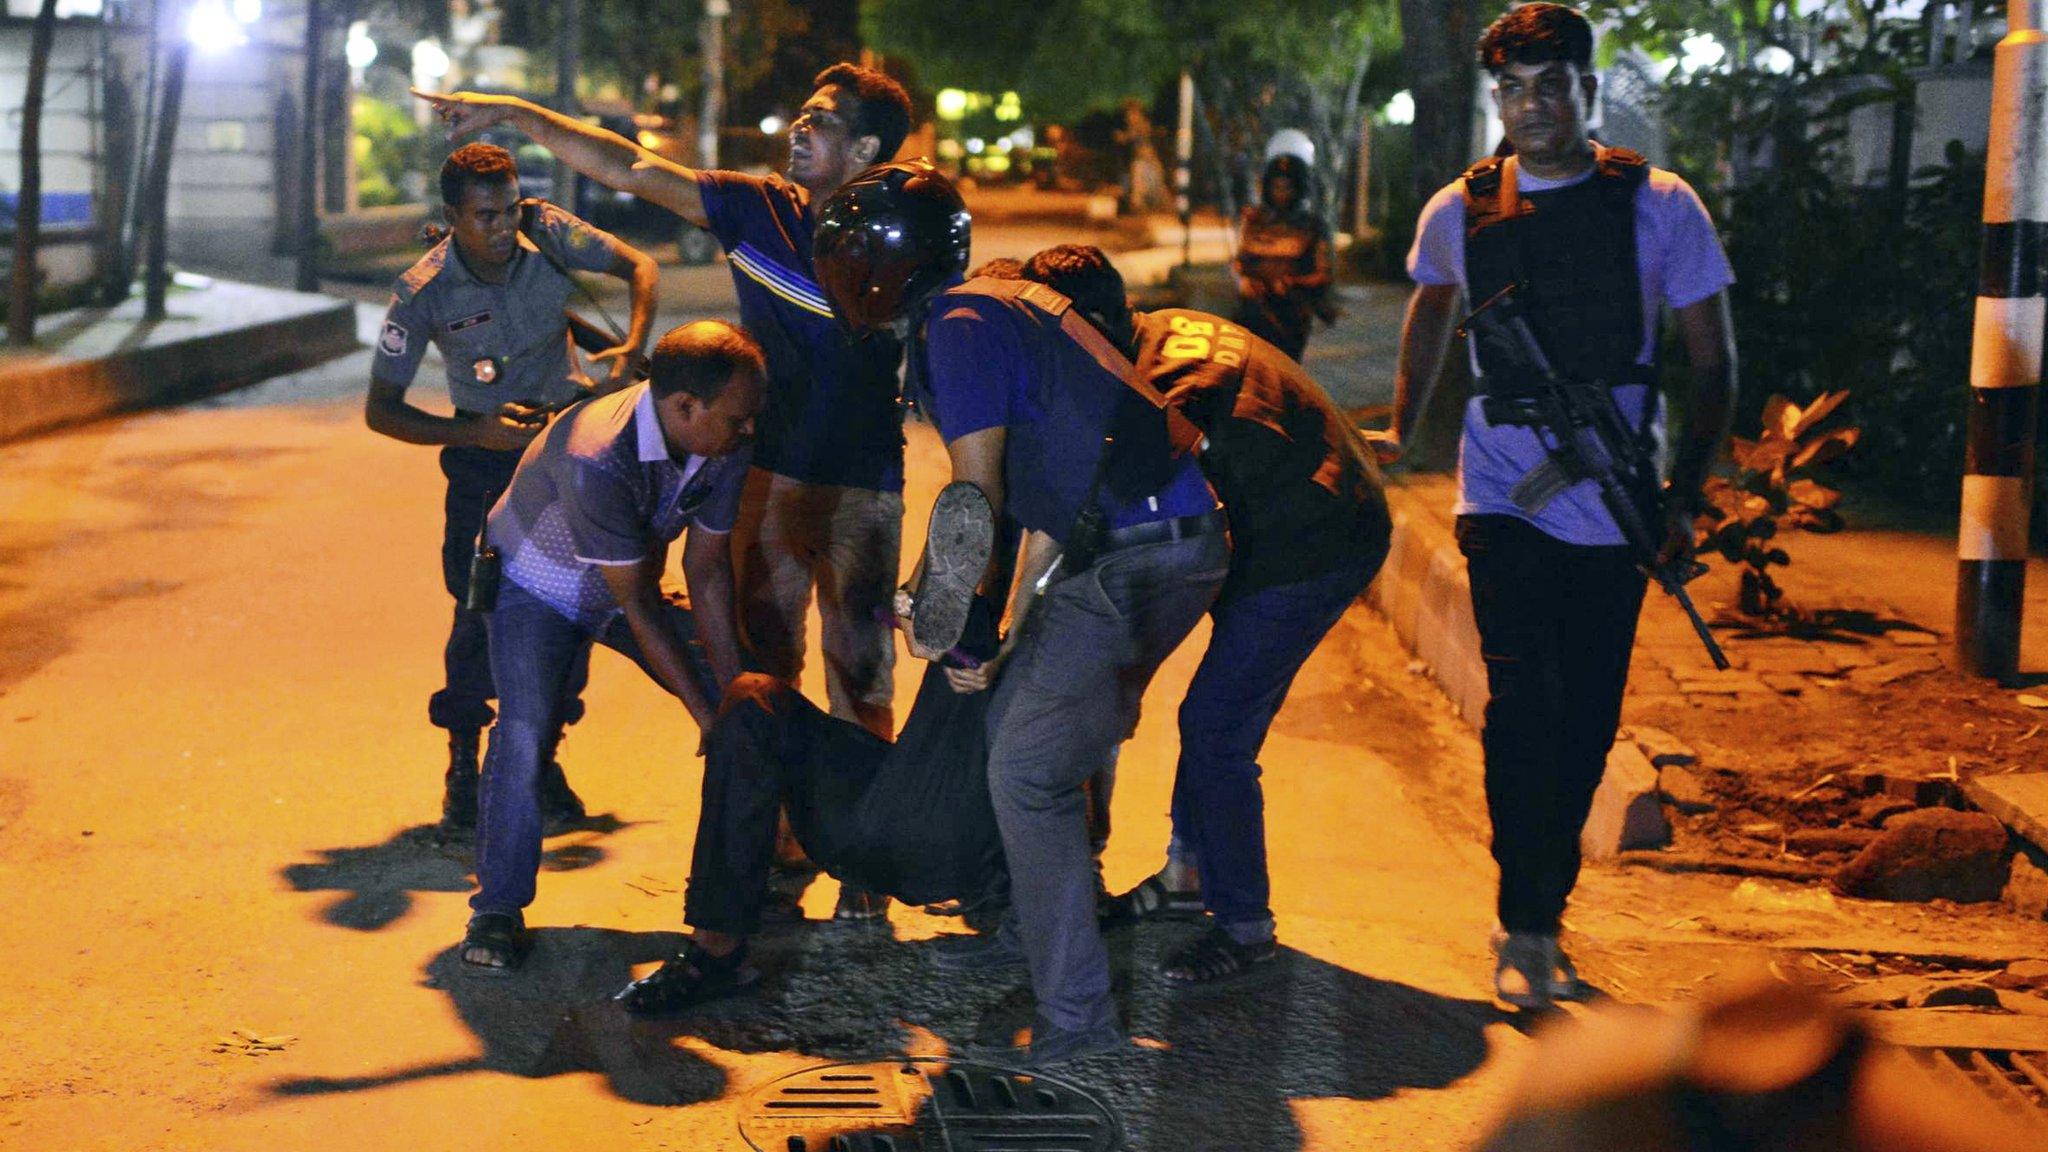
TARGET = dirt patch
x,y
1812,778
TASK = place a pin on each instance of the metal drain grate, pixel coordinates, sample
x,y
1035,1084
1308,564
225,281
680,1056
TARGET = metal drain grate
x,y
925,1104
2016,1080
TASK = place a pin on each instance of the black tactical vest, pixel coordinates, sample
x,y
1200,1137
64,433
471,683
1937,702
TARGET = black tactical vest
x,y
1573,250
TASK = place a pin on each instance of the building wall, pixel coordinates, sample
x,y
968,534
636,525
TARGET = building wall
x,y
224,199
70,144
1953,102
226,186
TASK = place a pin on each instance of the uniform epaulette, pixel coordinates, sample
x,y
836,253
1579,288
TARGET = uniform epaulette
x,y
416,278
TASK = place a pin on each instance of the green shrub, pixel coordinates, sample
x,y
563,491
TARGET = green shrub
x,y
388,145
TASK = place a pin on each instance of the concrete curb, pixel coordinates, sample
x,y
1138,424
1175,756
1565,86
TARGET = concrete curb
x,y
218,338
1424,592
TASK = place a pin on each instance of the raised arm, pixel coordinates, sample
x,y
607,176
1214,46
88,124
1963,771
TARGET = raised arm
x,y
606,157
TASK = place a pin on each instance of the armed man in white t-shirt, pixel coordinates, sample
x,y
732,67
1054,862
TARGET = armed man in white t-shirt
x,y
1589,245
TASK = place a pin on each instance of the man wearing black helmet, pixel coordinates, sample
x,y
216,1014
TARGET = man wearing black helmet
x,y
1125,550
824,507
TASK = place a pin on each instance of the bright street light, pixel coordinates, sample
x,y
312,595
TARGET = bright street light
x,y
429,60
952,103
772,125
1400,109
1701,51
361,50
212,28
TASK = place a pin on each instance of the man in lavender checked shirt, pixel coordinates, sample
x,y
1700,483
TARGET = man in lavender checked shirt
x,y
584,533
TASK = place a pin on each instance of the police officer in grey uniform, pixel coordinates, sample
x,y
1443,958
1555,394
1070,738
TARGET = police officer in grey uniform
x,y
492,297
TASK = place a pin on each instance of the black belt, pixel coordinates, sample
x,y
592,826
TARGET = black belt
x,y
1162,531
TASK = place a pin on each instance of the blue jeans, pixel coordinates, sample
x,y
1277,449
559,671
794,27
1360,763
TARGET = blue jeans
x,y
475,478
1068,695
535,650
1260,640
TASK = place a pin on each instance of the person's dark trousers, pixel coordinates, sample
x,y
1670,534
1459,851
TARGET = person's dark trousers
x,y
1557,622
1260,641
475,478
1283,324
1069,693
772,748
535,650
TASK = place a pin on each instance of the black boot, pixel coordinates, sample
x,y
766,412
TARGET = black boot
x,y
458,790
560,808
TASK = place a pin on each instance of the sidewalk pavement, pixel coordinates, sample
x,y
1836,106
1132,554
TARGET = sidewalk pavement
x,y
219,334
1904,575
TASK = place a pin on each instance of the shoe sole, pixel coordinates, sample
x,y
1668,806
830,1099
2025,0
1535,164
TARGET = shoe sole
x,y
958,541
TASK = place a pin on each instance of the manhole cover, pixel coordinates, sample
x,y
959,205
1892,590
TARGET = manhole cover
x,y
925,1104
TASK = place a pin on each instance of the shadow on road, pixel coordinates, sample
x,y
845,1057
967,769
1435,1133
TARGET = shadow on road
x,y
1220,1068
378,881
1211,1070
555,1017
826,992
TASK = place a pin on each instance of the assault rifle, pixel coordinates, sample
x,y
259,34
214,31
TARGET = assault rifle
x,y
1588,440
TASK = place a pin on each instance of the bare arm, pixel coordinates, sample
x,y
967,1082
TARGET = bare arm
x,y
1704,414
388,413
707,572
638,270
1709,405
606,157
1040,551
1425,338
637,588
1319,275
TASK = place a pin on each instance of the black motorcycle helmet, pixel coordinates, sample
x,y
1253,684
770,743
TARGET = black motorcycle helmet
x,y
887,239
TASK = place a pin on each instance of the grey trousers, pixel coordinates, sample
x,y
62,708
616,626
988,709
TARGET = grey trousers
x,y
1070,695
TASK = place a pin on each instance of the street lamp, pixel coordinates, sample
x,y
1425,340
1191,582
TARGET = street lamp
x,y
361,51
213,28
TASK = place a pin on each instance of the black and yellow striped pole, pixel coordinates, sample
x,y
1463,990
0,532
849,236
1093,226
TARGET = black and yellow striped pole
x,y
2005,359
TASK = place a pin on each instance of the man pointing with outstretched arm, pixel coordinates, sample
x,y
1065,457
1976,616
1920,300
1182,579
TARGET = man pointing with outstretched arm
x,y
823,507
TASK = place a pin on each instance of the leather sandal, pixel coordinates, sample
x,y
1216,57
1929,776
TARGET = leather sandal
x,y
1150,901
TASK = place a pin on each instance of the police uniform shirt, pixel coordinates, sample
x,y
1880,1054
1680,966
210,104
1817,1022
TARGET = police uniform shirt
x,y
501,343
1679,263
599,488
1301,486
991,363
832,416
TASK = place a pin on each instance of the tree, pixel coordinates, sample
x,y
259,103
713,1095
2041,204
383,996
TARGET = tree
x,y
1259,65
156,187
1438,39
28,211
306,202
